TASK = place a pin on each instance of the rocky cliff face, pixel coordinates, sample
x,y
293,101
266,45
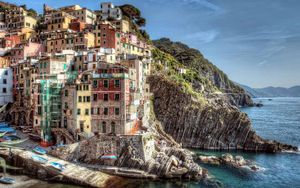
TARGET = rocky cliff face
x,y
209,124
193,59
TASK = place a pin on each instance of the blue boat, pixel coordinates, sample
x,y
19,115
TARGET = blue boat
x,y
7,130
39,159
11,137
109,156
39,150
7,180
57,166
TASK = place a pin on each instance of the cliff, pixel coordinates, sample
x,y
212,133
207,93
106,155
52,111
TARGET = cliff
x,y
193,59
197,104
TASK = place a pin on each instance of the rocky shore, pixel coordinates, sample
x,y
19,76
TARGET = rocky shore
x,y
212,124
165,162
237,162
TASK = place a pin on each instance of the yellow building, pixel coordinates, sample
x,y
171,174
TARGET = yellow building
x,y
26,35
69,40
82,14
122,25
17,18
83,120
58,20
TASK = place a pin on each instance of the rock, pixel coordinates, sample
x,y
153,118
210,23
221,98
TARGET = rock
x,y
227,158
210,123
41,174
240,160
210,160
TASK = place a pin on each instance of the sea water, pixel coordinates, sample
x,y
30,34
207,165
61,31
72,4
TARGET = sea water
x,y
278,119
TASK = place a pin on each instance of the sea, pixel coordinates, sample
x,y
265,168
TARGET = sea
x,y
279,119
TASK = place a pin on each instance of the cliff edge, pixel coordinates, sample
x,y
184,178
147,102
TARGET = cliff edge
x,y
198,105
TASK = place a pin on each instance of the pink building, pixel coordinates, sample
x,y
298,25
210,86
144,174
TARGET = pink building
x,y
22,51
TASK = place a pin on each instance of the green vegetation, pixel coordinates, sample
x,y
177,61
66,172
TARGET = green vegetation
x,y
32,13
3,9
189,81
194,60
133,15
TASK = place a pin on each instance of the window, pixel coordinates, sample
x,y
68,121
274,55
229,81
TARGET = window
x,y
88,99
39,110
5,72
117,111
78,111
95,96
105,83
87,111
66,93
113,127
4,90
66,105
65,122
103,127
80,99
4,81
95,84
92,111
105,111
117,83
117,97
81,126
105,97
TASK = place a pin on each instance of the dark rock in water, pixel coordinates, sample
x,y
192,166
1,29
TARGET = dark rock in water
x,y
259,105
205,124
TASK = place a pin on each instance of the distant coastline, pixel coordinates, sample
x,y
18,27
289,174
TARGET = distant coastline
x,y
268,92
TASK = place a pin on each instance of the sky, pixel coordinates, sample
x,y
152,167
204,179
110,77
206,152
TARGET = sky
x,y
255,42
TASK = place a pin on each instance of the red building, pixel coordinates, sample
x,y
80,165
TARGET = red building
x,y
108,36
111,99
77,25
11,41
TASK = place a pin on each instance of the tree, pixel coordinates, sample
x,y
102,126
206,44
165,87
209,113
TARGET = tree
x,y
32,12
141,22
134,14
130,11
145,34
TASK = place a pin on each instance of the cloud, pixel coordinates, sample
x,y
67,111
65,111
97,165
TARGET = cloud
x,y
263,35
202,36
203,3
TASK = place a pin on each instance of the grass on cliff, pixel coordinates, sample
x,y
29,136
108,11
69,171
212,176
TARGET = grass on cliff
x,y
194,60
190,82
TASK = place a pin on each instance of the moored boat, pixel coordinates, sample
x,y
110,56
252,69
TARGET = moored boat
x,y
7,180
39,159
108,156
57,166
39,150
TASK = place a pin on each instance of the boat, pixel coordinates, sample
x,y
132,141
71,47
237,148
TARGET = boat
x,y
10,138
7,180
57,166
13,142
39,150
35,137
39,159
108,156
